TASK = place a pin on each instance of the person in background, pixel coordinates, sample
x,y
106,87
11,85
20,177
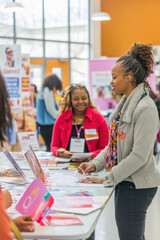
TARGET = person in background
x,y
47,110
24,223
79,127
129,156
34,92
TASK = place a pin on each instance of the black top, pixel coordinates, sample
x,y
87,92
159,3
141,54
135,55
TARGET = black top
x,y
74,135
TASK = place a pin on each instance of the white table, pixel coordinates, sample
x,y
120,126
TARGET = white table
x,y
75,232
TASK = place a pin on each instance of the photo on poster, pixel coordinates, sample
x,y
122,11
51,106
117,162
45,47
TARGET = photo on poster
x,y
10,65
101,84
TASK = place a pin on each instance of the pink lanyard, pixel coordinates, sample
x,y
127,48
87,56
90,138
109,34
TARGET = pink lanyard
x,y
78,130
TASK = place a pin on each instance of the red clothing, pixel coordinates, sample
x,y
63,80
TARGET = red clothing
x,y
5,226
92,120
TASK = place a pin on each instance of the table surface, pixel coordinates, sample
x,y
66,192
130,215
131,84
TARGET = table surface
x,y
74,232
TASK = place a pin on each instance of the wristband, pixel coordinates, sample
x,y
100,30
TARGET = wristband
x,y
61,150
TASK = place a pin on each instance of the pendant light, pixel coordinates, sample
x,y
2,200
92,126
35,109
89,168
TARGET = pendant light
x,y
13,7
100,16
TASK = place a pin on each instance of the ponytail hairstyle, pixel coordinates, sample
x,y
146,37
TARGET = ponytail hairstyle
x,y
138,62
66,101
5,111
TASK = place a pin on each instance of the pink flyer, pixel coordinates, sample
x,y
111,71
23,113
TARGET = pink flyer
x,y
36,201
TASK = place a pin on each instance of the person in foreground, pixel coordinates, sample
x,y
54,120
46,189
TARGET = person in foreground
x,y
24,223
79,127
129,156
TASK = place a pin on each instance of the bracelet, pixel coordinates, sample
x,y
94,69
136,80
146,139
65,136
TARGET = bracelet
x,y
61,150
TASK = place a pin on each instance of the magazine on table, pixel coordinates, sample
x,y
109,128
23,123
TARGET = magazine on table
x,y
17,170
37,201
34,164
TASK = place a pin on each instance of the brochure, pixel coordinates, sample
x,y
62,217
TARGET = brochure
x,y
74,156
52,164
79,205
60,220
13,162
34,164
26,139
36,201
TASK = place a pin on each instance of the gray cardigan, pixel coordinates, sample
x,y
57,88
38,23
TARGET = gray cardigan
x,y
138,128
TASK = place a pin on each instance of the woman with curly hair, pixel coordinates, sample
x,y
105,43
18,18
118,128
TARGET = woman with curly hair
x,y
129,155
79,127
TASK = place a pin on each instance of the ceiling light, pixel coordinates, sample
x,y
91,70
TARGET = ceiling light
x,y
13,7
100,16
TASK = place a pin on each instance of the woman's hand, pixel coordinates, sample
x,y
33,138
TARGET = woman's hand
x,y
7,198
24,223
80,160
65,154
86,168
94,180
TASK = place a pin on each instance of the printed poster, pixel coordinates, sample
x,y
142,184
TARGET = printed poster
x,y
25,80
10,66
101,84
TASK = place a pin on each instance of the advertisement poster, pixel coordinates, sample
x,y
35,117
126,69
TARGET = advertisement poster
x,y
101,84
10,66
25,80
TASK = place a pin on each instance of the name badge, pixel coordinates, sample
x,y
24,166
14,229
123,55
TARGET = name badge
x,y
77,145
91,134
90,131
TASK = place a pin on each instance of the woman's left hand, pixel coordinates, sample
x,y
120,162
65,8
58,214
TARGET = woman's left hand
x,y
24,223
94,180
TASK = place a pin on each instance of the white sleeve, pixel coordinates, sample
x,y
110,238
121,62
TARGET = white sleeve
x,y
49,100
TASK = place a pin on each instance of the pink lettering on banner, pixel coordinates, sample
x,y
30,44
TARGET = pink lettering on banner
x,y
25,137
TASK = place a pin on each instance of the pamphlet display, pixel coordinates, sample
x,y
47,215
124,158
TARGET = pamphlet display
x,y
36,201
34,164
27,139
13,162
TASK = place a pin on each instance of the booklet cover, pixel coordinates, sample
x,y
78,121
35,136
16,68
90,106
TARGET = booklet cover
x,y
26,139
34,164
36,201
13,162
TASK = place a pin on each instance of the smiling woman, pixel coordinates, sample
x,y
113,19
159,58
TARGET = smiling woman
x,y
80,127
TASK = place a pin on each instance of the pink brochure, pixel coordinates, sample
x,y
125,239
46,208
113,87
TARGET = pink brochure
x,y
36,201
61,220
